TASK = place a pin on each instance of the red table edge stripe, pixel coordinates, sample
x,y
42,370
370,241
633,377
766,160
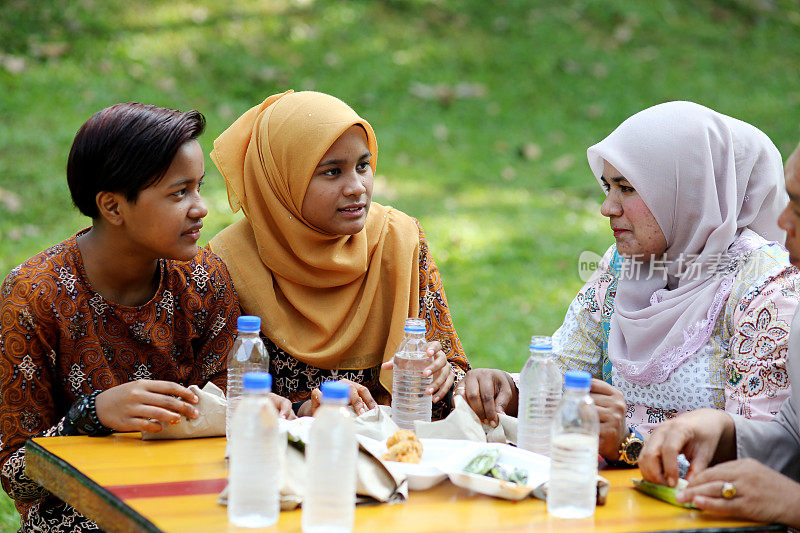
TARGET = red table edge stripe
x,y
168,489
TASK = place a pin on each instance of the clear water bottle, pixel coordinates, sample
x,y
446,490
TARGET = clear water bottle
x,y
409,400
539,394
254,478
330,496
572,489
248,354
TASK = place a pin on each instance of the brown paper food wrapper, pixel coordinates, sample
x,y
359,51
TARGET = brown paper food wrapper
x,y
210,423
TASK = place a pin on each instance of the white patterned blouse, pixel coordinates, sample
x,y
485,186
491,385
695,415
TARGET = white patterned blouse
x,y
742,367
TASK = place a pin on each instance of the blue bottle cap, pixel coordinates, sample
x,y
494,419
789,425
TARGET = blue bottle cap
x,y
257,381
541,343
577,379
335,390
414,325
248,324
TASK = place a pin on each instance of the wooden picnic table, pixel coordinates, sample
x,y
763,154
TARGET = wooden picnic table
x,y
126,484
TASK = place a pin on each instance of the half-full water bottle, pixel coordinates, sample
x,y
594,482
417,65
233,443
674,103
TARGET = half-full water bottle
x,y
571,491
539,394
409,383
248,354
330,496
254,478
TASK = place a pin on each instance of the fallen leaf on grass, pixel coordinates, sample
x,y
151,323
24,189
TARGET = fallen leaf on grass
x,y
441,132
623,34
167,84
445,94
268,74
10,201
199,15
49,50
383,189
501,24
648,53
332,60
563,163
188,58
595,110
137,71
530,151
105,66
501,147
599,70
18,233
13,64
226,111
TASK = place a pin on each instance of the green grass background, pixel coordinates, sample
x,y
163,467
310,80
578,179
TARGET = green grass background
x,y
483,112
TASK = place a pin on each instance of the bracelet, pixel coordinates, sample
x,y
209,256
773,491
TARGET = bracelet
x,y
83,416
458,376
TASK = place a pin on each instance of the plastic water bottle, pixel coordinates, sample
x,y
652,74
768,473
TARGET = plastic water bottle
x,y
539,394
248,354
330,497
409,400
254,479
572,489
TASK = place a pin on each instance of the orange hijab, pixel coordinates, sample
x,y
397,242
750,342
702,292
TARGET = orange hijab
x,y
332,301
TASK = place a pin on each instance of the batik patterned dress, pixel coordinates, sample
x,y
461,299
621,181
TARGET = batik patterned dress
x,y
295,380
60,340
742,368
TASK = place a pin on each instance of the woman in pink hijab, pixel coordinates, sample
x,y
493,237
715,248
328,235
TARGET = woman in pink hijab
x,y
691,306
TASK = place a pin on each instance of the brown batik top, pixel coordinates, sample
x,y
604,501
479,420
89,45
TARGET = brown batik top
x,y
60,340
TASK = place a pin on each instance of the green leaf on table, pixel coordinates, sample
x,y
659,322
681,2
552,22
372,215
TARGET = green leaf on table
x,y
483,462
663,492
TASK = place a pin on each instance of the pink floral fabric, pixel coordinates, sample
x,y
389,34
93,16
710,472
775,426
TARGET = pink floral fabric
x,y
741,369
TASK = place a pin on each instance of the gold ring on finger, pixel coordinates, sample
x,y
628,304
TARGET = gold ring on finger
x,y
728,490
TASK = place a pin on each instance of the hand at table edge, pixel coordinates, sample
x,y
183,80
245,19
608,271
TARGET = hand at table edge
x,y
762,494
361,400
703,436
611,411
489,391
142,404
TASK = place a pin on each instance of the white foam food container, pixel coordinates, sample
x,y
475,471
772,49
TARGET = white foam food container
x,y
537,467
443,458
438,458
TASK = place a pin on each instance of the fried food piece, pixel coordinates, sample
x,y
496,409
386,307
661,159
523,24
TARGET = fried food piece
x,y
401,435
404,452
403,447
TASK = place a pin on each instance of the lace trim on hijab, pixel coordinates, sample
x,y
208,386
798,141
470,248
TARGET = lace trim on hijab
x,y
658,368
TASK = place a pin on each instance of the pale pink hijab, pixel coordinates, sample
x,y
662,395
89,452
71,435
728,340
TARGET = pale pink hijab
x,y
709,180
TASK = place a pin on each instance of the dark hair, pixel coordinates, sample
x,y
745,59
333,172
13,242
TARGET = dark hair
x,y
126,148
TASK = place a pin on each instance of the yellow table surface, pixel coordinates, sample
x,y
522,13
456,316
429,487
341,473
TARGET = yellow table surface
x,y
126,484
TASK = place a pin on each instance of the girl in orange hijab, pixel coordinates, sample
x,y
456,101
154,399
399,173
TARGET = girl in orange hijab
x,y
332,275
